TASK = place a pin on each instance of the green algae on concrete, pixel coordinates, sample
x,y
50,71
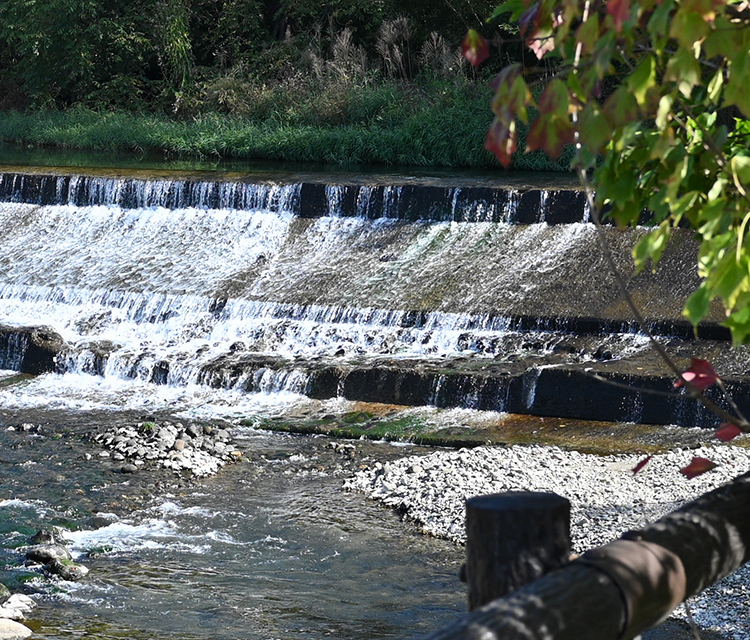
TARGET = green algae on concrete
x,y
451,428
14,379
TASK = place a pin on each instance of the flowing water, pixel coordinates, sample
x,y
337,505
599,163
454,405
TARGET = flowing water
x,y
209,300
269,548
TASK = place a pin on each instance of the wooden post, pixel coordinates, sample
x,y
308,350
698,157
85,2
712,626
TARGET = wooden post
x,y
616,591
511,539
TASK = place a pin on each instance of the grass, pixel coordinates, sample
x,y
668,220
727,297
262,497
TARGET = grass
x,y
440,124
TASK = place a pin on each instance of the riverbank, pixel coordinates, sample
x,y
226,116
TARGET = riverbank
x,y
445,132
607,499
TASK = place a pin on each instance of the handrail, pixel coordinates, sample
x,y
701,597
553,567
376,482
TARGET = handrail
x,y
617,591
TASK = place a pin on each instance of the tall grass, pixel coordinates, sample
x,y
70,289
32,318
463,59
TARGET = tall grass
x,y
429,123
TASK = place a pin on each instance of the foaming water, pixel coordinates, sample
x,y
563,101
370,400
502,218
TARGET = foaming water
x,y
269,548
202,285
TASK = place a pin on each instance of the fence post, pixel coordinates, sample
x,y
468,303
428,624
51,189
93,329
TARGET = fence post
x,y
511,539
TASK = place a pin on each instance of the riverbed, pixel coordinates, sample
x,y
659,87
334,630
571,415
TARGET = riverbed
x,y
270,547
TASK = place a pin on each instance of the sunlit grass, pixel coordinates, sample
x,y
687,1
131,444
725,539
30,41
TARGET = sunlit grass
x,y
433,124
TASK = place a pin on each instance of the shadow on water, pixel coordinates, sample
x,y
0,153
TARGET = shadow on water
x,y
152,164
271,547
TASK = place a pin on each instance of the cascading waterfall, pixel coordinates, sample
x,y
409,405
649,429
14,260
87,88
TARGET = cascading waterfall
x,y
309,287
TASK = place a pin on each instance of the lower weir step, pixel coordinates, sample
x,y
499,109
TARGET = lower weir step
x,y
638,389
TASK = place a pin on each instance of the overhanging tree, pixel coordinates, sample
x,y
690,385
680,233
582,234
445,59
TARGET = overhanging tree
x,y
646,92
651,94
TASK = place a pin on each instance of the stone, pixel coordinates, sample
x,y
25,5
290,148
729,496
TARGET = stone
x,y
4,593
44,536
46,553
67,570
129,468
11,630
194,430
178,445
17,607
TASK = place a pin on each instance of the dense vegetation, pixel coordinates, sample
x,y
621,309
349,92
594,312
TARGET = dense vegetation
x,y
345,81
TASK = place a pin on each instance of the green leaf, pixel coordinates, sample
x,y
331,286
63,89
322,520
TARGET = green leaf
x,y
713,219
696,307
715,86
664,112
726,278
594,132
740,166
737,91
688,27
658,24
726,39
515,7
739,325
683,204
684,70
651,246
643,79
588,33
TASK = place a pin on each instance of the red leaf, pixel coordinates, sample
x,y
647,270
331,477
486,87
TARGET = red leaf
x,y
620,11
530,18
541,42
641,464
501,140
697,467
475,48
700,374
727,432
621,108
551,130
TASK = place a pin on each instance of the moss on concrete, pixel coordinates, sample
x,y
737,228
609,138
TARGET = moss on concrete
x,y
374,421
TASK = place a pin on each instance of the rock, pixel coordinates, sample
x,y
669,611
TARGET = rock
x,y
96,522
44,536
17,607
194,430
178,445
46,553
11,630
129,468
4,593
67,570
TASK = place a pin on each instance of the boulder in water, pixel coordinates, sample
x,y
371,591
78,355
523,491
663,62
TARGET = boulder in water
x,y
46,553
67,570
31,350
10,630
16,607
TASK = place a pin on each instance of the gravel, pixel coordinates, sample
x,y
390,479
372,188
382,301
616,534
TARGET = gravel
x,y
198,450
606,500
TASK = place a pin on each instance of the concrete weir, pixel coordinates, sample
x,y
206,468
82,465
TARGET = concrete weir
x,y
489,295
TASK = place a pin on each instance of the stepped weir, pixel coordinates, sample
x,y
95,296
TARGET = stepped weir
x,y
487,296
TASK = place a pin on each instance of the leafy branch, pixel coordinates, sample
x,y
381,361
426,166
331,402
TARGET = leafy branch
x,y
637,88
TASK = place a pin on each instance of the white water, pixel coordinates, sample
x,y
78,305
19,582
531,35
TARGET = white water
x,y
158,294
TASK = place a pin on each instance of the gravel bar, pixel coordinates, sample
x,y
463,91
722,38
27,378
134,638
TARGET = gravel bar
x,y
606,498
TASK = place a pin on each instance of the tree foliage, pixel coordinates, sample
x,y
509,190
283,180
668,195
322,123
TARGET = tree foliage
x,y
648,93
154,55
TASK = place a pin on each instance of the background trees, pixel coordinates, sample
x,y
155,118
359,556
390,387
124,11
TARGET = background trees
x,y
162,56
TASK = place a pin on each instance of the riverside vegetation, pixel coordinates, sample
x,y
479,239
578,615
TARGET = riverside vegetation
x,y
333,82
